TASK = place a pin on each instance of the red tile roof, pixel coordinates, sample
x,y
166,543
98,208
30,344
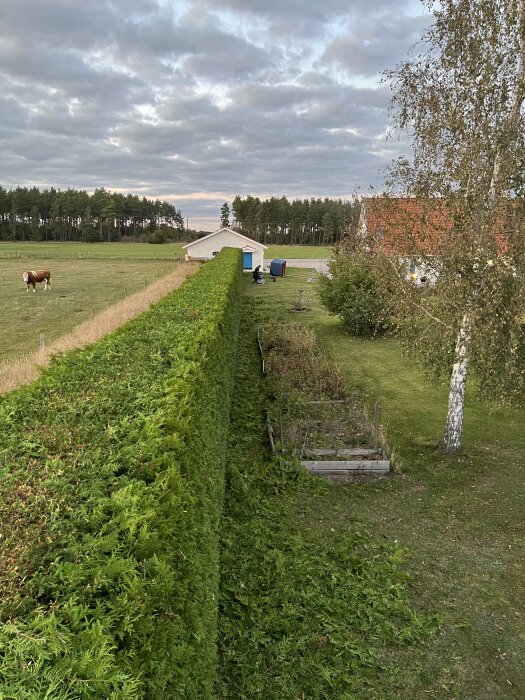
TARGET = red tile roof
x,y
412,227
405,226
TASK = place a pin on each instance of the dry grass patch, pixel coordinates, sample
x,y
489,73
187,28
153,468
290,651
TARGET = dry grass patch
x,y
23,370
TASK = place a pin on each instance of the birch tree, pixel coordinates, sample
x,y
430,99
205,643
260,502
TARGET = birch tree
x,y
461,101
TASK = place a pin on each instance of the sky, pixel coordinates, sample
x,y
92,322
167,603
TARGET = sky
x,y
197,101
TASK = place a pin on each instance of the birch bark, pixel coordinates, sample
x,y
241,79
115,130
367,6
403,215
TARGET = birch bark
x,y
456,394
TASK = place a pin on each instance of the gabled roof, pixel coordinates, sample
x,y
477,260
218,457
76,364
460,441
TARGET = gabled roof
x,y
225,228
405,226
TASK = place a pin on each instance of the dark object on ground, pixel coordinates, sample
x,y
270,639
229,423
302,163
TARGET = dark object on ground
x,y
277,268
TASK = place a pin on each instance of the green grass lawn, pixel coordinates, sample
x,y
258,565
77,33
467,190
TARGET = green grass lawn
x,y
307,610
134,251
460,519
79,289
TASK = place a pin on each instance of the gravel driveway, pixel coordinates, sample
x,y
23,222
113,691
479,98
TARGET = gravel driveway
x,y
319,264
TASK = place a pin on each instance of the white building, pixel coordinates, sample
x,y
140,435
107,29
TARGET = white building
x,y
208,247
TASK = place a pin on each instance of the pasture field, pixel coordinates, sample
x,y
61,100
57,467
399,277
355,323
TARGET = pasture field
x,y
133,251
90,251
79,289
459,519
85,278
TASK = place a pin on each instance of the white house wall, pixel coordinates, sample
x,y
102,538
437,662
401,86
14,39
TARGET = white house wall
x,y
205,248
422,273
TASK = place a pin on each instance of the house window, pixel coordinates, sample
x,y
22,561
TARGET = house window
x,y
215,252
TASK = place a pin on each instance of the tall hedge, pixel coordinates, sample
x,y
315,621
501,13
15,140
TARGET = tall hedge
x,y
111,488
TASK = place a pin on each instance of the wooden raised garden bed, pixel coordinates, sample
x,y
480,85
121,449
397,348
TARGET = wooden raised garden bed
x,y
311,414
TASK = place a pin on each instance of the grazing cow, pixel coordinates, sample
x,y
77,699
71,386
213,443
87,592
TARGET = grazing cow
x,y
34,276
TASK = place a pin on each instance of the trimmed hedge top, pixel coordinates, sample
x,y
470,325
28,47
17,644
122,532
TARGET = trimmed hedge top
x,y
111,491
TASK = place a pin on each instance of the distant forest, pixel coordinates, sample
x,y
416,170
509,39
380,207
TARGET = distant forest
x,y
74,215
301,221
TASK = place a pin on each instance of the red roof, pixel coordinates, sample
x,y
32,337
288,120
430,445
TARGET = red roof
x,y
412,227
405,226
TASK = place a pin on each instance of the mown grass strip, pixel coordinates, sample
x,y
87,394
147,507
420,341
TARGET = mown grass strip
x,y
307,610
459,519
111,491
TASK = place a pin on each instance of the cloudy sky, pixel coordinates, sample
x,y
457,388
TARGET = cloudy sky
x,y
195,101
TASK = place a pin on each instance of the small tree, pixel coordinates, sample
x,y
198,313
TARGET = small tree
x,y
461,99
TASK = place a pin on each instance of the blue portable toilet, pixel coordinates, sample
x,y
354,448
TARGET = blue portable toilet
x,y
277,268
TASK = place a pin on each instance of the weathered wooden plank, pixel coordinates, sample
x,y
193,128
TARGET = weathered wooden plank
x,y
381,466
343,452
350,472
347,464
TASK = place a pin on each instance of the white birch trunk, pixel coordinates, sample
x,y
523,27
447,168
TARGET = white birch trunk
x,y
458,382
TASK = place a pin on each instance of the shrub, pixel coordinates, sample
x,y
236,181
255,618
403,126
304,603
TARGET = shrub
x,y
159,235
354,291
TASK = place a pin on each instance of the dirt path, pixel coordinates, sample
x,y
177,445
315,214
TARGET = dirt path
x,y
25,369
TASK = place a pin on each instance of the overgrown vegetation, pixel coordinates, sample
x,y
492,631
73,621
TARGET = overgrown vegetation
x,y
307,610
309,406
111,493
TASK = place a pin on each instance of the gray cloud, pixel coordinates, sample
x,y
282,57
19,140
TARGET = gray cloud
x,y
298,9
375,43
199,101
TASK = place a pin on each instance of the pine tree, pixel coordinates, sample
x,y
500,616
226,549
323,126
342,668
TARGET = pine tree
x,y
225,215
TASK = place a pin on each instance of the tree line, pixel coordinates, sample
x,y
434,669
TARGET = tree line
x,y
74,215
298,222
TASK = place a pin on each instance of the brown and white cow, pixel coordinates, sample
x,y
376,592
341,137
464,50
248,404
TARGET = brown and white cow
x,y
33,276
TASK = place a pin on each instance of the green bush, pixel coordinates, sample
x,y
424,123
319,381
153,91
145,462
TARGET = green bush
x,y
112,486
354,291
159,235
